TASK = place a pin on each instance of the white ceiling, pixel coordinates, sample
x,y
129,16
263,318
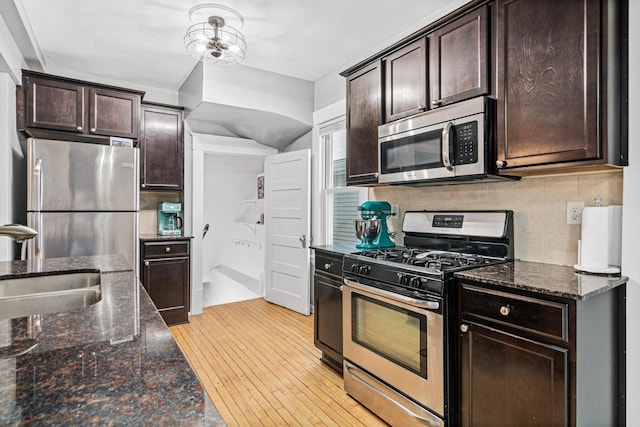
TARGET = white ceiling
x,y
140,41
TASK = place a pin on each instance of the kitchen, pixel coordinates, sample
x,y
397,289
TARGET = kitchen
x,y
542,241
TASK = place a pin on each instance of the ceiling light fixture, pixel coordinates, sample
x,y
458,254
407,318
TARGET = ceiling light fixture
x,y
218,40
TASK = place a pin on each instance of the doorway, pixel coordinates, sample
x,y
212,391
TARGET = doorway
x,y
223,195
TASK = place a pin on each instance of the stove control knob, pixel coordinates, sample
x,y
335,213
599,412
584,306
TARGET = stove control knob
x,y
354,268
414,282
403,279
364,269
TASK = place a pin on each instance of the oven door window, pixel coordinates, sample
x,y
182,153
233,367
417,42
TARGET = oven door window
x,y
415,152
394,333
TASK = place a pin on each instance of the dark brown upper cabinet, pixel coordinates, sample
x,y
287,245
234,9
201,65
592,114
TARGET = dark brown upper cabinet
x,y
161,148
113,113
459,60
557,81
53,104
62,108
405,72
364,111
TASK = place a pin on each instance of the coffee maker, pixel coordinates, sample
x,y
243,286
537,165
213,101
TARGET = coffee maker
x,y
372,229
169,223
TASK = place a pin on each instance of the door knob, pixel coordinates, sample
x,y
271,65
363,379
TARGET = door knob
x,y
303,240
464,328
501,163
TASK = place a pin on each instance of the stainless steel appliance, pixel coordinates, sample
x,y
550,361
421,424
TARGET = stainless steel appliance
x,y
452,143
82,199
169,223
399,313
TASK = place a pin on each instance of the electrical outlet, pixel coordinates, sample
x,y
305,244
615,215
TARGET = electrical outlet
x,y
574,212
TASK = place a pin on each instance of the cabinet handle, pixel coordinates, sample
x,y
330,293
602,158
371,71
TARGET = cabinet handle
x,y
436,103
464,328
505,310
501,163
79,128
167,249
420,107
144,185
146,263
327,266
93,130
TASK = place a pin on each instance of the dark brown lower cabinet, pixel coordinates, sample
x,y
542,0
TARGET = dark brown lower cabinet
x,y
166,278
529,359
510,381
327,307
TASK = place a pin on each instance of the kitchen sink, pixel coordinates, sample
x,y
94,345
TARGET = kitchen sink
x,y
46,294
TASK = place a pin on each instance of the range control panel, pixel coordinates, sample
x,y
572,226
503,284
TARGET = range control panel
x,y
448,221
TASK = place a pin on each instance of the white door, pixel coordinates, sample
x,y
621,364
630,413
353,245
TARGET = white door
x,y
287,203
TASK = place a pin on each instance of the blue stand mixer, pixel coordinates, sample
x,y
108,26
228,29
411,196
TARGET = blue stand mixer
x,y
372,229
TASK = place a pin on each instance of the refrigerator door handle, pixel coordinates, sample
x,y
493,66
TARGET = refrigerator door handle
x,y
37,241
37,171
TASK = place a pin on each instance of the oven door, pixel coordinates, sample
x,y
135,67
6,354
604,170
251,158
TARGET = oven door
x,y
397,339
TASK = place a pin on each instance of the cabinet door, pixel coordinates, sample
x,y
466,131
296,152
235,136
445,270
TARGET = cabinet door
x,y
548,76
53,104
113,113
363,119
406,81
508,381
458,59
167,282
327,309
161,149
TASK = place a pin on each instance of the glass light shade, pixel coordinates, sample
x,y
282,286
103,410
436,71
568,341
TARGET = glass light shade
x,y
222,45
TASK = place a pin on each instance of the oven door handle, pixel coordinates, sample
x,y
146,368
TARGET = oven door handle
x,y
429,305
350,368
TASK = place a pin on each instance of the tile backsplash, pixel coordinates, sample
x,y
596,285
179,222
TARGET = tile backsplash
x,y
539,204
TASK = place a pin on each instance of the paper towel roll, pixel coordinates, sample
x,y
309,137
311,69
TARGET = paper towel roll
x,y
601,239
595,238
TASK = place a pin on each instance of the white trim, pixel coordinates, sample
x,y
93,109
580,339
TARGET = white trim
x,y
330,112
216,144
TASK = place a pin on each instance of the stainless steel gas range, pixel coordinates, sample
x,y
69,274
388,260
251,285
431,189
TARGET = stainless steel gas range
x,y
399,313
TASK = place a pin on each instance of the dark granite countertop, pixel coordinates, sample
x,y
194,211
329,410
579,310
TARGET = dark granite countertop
x,y
112,363
157,237
547,279
339,248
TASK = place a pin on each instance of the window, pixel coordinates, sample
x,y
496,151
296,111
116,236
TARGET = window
x,y
340,202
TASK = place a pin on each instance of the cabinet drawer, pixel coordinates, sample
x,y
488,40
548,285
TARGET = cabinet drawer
x,y
538,316
328,264
165,249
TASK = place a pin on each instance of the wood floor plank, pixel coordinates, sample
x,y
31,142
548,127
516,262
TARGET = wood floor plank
x,y
258,364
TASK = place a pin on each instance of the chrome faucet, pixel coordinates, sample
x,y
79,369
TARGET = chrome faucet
x,y
19,233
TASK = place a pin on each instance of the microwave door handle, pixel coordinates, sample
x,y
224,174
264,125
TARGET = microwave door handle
x,y
446,144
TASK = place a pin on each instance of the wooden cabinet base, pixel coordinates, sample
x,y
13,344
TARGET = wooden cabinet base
x,y
174,317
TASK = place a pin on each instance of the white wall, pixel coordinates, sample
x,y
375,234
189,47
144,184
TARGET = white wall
x,y
7,88
228,182
631,222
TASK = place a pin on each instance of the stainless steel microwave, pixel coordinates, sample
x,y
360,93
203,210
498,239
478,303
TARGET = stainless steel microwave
x,y
452,143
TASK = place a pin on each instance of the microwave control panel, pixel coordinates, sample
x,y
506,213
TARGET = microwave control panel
x,y
466,143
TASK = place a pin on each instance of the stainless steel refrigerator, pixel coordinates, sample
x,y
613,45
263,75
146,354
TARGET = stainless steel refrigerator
x,y
82,199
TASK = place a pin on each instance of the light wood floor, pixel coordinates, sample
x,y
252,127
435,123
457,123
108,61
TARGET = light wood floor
x,y
258,363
